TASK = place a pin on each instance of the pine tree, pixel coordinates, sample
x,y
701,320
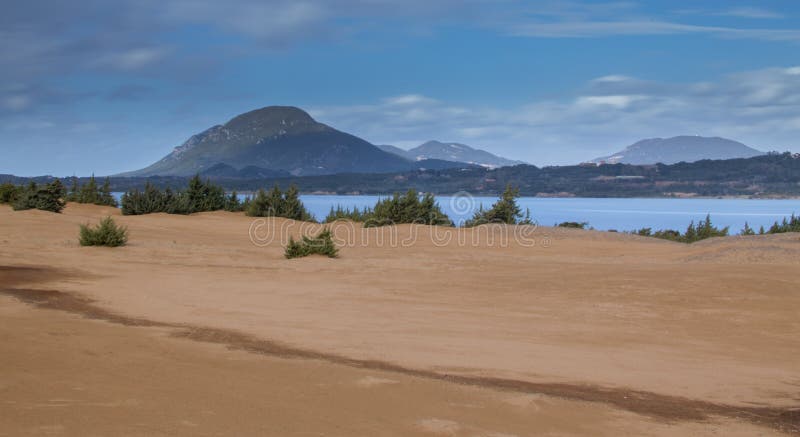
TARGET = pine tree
x,y
292,206
505,210
106,198
89,193
74,190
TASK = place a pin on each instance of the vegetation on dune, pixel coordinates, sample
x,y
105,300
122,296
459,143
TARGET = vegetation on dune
x,y
276,203
106,233
322,244
398,209
48,197
90,192
792,224
505,210
9,192
574,225
355,214
199,196
703,230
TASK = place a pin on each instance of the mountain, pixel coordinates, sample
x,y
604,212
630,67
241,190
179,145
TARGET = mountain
x,y
679,149
395,150
223,170
281,138
454,152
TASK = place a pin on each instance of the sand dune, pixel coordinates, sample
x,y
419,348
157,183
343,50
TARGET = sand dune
x,y
471,333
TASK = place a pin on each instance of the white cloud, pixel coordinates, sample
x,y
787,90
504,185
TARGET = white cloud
x,y
133,59
751,12
590,29
760,108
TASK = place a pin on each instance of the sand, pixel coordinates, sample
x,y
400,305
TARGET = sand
x,y
193,329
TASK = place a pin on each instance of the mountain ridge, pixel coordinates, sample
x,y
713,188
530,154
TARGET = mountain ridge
x,y
682,148
454,152
280,138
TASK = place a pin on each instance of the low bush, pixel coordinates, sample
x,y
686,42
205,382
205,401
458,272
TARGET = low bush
x,y
9,192
395,210
49,197
199,196
107,233
791,224
276,203
355,214
322,244
575,225
505,210
703,230
91,193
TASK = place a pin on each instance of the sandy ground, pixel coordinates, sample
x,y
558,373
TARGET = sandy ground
x,y
202,332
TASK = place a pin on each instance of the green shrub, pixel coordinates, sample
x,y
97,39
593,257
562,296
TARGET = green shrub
x,y
505,210
48,197
398,209
791,224
9,192
91,193
107,233
199,196
407,208
355,214
275,203
322,244
703,230
575,225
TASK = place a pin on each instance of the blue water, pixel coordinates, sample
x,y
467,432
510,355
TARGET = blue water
x,y
602,214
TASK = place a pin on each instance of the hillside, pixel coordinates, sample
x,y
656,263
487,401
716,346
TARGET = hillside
x,y
455,152
278,138
679,149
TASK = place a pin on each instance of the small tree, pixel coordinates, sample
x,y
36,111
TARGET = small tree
x,y
322,244
89,193
107,233
505,210
9,192
106,198
293,208
747,230
48,197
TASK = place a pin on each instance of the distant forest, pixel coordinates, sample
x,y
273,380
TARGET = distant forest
x,y
772,175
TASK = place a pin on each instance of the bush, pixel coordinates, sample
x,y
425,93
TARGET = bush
x,y
48,197
279,204
9,192
704,229
107,233
355,215
791,224
407,208
91,193
322,244
575,225
505,210
198,197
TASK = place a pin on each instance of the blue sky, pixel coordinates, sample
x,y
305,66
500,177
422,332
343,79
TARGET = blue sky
x,y
106,87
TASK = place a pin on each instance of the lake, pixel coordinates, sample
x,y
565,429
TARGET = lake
x,y
622,214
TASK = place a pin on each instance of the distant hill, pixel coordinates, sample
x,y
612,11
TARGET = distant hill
x,y
770,175
679,149
454,152
279,138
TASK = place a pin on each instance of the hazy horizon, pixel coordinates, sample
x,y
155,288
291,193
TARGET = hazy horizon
x,y
107,88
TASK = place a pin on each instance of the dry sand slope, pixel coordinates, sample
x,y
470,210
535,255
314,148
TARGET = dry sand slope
x,y
581,333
